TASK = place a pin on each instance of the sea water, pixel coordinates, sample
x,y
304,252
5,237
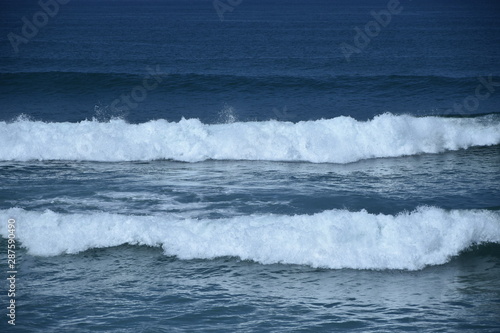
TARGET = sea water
x,y
225,166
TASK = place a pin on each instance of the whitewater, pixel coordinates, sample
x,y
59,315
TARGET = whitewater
x,y
332,239
338,140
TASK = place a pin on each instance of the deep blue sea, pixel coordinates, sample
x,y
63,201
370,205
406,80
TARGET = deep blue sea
x,y
249,166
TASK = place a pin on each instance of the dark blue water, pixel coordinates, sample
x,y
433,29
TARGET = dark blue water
x,y
254,166
265,55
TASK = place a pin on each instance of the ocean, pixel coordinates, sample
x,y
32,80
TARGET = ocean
x,y
250,166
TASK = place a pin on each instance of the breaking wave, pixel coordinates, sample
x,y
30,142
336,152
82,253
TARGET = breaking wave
x,y
337,140
331,239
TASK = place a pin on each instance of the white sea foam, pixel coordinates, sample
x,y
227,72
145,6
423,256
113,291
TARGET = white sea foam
x,y
332,239
337,140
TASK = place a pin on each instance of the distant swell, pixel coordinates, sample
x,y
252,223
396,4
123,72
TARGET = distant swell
x,y
331,239
337,140
76,82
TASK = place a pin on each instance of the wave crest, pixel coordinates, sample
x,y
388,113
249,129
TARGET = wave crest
x,y
337,140
331,239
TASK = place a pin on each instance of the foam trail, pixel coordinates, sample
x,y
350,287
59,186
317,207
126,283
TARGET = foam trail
x,y
337,140
331,239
